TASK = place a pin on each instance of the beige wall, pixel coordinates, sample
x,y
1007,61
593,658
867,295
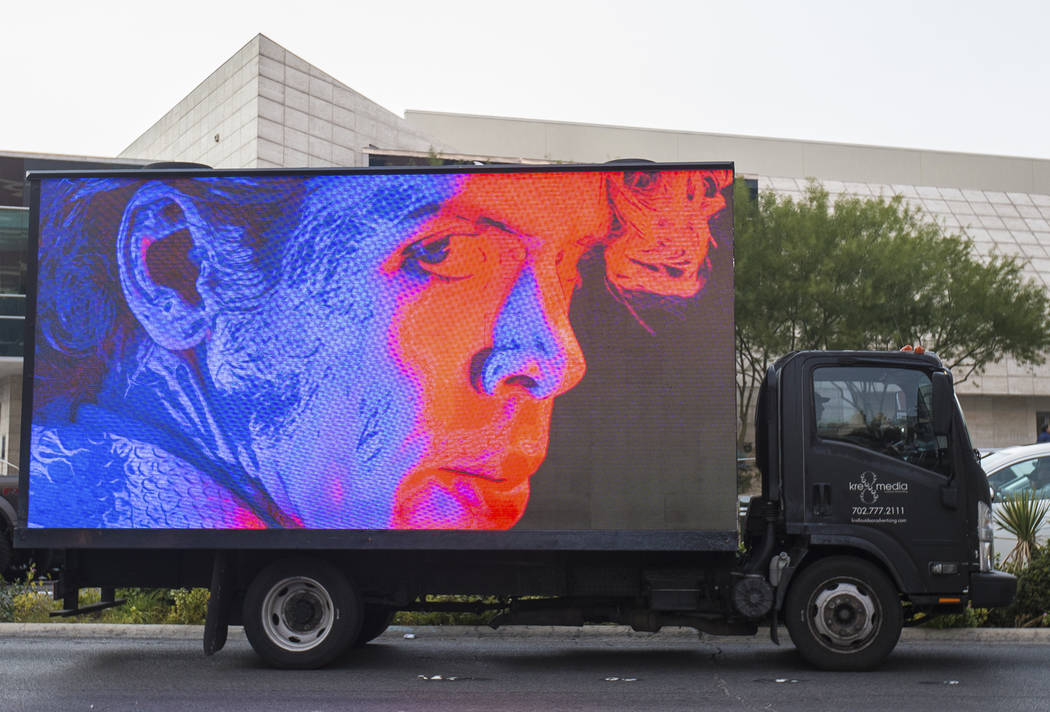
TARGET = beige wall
x,y
215,124
265,107
308,118
1001,421
594,143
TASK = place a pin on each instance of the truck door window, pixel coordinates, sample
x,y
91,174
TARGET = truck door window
x,y
887,410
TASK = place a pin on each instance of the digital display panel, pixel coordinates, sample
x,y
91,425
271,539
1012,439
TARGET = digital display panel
x,y
480,350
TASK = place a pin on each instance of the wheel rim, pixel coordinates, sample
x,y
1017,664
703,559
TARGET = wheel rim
x,y
297,614
844,615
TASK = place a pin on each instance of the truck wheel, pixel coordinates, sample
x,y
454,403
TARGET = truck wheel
x,y
7,552
843,613
374,621
301,614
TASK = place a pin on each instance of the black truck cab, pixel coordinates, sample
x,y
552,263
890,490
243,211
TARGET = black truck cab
x,y
869,482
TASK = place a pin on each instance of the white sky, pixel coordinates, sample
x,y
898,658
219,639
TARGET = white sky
x,y
90,77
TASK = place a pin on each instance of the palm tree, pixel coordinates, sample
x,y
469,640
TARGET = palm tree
x,y
1021,515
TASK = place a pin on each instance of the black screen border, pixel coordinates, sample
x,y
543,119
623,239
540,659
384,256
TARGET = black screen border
x,y
554,540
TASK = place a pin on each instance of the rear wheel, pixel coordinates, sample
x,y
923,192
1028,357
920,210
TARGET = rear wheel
x,y
374,621
843,613
7,552
301,614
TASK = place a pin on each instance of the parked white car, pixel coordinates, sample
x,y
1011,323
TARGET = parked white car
x,y
1011,470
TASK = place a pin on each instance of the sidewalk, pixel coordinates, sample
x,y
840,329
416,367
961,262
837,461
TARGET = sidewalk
x,y
196,632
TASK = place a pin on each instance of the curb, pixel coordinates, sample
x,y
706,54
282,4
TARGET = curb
x,y
985,635
196,632
109,630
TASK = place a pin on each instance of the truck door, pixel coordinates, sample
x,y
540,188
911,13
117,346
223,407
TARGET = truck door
x,y
874,469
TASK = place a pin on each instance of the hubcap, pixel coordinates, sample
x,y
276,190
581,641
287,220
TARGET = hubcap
x,y
297,614
844,615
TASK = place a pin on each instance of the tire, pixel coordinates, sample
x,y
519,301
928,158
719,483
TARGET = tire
x,y
374,621
843,613
7,552
301,614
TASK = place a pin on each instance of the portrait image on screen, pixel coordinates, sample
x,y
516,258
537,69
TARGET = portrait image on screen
x,y
471,350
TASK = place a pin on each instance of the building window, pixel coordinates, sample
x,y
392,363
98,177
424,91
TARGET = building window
x,y
752,188
1042,419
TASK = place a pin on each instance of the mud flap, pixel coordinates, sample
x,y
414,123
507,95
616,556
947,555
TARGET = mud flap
x,y
216,622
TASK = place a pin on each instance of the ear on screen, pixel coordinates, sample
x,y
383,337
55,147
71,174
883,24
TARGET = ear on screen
x,y
161,235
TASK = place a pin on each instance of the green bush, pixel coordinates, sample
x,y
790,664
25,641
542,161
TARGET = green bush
x,y
33,607
446,617
148,605
144,605
440,618
190,606
8,591
1032,605
22,601
970,618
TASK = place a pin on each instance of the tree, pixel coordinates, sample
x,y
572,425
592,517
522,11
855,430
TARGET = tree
x,y
872,273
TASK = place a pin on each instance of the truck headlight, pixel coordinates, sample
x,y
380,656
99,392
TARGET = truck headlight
x,y
985,544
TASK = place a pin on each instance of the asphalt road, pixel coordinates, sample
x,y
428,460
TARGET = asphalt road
x,y
565,670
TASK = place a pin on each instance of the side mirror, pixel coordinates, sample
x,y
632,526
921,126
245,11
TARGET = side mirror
x,y
943,404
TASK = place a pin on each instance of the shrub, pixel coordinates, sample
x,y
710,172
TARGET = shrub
x,y
1031,607
8,591
1033,590
143,605
191,606
33,607
447,617
22,601
970,618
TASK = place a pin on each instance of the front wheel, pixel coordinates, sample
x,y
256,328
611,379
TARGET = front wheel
x,y
843,613
301,614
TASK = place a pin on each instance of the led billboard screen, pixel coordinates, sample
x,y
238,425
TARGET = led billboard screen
x,y
536,349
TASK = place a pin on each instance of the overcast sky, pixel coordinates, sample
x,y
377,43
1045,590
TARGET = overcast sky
x,y
89,77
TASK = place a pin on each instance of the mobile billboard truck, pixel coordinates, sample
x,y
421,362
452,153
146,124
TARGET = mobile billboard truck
x,y
330,395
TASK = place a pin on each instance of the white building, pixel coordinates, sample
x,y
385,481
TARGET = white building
x,y
266,107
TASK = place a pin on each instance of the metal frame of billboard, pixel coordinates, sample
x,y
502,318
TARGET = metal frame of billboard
x,y
325,539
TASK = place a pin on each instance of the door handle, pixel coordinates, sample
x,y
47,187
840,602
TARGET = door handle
x,y
950,497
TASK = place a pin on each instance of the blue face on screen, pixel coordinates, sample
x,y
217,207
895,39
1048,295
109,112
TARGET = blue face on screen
x,y
370,351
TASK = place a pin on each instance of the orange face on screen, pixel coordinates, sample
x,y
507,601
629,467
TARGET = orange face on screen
x,y
487,339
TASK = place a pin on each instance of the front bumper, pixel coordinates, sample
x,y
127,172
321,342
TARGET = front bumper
x,y
992,589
